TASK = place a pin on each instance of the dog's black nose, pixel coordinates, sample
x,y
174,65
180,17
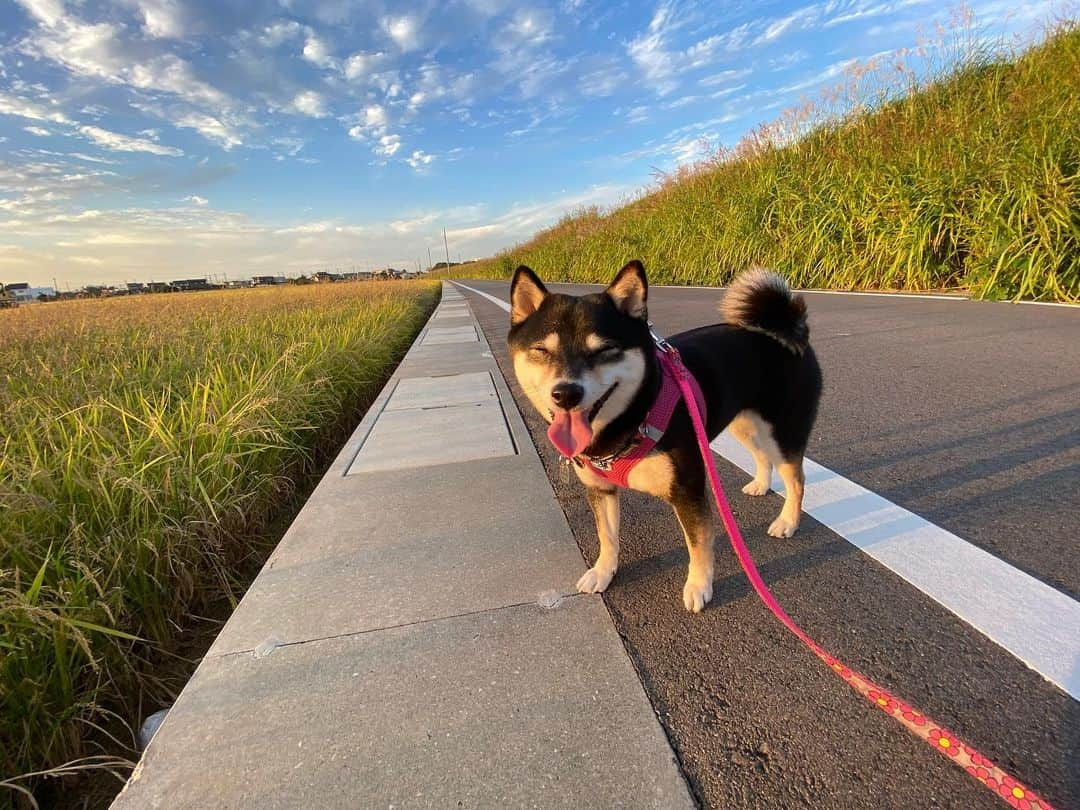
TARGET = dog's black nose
x,y
567,395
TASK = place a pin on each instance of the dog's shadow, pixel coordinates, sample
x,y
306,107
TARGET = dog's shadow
x,y
732,584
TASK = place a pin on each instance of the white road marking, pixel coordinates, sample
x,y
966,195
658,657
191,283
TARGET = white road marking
x,y
496,301
1033,621
1038,624
962,298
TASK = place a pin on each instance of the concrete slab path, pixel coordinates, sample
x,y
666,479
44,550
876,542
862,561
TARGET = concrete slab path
x,y
414,640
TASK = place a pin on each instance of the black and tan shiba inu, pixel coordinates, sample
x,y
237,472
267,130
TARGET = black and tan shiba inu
x,y
588,363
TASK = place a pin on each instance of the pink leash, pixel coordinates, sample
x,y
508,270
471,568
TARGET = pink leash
x,y
944,742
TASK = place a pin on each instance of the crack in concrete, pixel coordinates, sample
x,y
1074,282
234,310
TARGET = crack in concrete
x,y
542,601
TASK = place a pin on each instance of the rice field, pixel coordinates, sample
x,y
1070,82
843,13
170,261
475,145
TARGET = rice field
x,y
969,182
148,446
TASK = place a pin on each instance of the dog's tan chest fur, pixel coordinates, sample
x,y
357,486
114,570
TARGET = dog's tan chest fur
x,y
654,474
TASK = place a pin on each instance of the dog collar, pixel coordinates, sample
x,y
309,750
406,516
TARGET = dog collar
x,y
615,468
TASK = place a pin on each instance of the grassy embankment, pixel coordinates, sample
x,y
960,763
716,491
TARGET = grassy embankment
x,y
147,446
970,183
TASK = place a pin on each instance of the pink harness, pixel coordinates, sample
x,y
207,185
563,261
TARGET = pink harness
x,y
616,468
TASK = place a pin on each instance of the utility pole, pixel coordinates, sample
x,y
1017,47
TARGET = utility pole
x,y
447,249
429,257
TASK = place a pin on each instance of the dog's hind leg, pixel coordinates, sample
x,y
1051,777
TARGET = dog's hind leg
x,y
794,480
696,519
605,507
755,436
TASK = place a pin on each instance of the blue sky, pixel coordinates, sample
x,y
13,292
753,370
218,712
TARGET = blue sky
x,y
156,139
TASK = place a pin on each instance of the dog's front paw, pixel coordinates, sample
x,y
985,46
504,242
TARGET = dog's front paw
x,y
782,527
756,488
696,595
595,580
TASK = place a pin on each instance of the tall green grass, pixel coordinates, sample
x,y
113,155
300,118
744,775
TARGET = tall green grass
x,y
970,183
146,445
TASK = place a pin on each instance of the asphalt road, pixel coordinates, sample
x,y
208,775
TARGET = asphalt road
x,y
963,412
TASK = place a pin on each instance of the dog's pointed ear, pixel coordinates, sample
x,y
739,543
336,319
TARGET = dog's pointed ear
x,y
630,290
527,293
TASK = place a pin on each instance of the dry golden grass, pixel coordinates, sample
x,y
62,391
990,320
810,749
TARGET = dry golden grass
x,y
146,445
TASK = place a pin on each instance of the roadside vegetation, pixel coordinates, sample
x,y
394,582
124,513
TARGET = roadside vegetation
x,y
148,447
969,182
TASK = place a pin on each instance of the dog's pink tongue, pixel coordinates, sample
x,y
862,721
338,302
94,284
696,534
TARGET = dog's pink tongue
x,y
570,432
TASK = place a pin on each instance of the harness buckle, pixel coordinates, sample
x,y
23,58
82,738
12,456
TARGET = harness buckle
x,y
602,463
651,432
661,344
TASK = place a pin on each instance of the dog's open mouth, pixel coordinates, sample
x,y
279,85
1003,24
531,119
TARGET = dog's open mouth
x,y
571,431
595,409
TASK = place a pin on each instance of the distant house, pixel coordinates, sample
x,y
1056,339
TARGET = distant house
x,y
23,293
389,273
259,281
136,287
188,284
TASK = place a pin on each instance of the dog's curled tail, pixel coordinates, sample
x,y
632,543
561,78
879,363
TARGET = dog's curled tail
x,y
762,301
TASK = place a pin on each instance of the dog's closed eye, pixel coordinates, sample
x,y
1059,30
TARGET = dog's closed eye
x,y
605,353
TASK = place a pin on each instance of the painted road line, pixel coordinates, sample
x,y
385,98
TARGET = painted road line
x,y
932,296
496,301
1033,621
1038,624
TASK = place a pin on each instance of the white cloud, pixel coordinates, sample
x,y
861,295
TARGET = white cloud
x,y
90,158
798,19
360,64
603,81
163,243
691,150
292,146
833,71
862,10
527,28
98,50
278,32
124,143
49,12
24,108
195,199
420,159
724,77
39,131
372,124
162,18
375,116
404,31
317,51
661,63
388,145
310,103
209,127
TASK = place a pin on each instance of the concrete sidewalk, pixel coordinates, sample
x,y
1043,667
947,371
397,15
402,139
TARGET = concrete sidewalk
x,y
414,640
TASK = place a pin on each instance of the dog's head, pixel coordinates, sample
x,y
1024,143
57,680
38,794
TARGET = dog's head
x,y
580,359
